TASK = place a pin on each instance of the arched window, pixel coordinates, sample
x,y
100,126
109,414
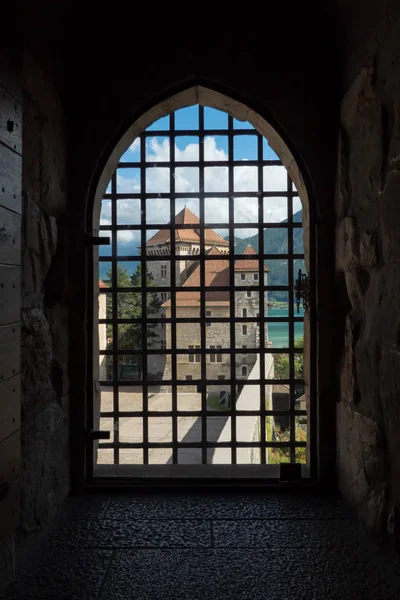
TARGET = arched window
x,y
199,340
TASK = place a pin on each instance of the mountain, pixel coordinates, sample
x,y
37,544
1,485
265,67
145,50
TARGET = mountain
x,y
275,242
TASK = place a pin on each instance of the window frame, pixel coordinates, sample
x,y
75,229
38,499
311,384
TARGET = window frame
x,y
244,278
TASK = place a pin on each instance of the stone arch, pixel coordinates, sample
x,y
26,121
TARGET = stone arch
x,y
205,96
199,94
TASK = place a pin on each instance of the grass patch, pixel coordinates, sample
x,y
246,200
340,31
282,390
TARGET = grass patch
x,y
282,455
213,403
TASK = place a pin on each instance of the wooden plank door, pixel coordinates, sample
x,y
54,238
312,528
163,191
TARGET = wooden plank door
x,y
10,294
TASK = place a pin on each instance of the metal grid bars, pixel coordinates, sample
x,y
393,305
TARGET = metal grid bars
x,y
200,354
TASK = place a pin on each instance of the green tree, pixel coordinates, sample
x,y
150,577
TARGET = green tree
x,y
281,363
153,303
130,306
281,370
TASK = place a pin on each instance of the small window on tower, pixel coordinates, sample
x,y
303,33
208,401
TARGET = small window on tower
x,y
208,314
191,356
212,356
255,276
248,293
243,276
163,270
244,329
244,312
219,356
244,370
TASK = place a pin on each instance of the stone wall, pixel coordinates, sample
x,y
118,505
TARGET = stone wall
x,y
45,403
188,334
102,337
367,261
247,427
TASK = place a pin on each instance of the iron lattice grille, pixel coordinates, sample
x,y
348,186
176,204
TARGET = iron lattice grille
x,y
139,355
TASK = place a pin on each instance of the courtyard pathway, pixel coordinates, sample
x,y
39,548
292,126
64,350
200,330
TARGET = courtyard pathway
x,y
160,428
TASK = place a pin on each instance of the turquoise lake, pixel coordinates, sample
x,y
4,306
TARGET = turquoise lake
x,y
278,333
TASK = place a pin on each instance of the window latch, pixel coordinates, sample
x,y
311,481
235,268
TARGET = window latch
x,y
290,472
92,240
302,290
94,434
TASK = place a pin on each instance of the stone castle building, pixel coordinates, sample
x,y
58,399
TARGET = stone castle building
x,y
217,304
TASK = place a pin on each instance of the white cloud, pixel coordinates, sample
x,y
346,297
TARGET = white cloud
x,y
275,179
158,210
211,150
105,213
190,203
216,210
135,147
216,179
126,184
127,237
245,179
245,210
296,205
187,180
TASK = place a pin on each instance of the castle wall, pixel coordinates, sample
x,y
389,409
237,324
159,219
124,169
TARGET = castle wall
x,y
102,337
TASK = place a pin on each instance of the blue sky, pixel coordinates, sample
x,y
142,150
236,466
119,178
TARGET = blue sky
x,y
245,147
186,179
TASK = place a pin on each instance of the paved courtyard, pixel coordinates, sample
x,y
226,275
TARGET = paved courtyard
x,y
160,428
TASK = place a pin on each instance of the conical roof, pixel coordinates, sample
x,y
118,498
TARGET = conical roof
x,y
248,264
187,217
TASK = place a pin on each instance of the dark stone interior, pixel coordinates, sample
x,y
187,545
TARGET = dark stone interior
x,y
326,76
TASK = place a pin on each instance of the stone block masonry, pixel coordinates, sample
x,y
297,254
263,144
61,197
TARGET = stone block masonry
x,y
45,389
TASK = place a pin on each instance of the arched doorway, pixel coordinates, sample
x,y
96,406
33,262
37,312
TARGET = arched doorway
x,y
201,359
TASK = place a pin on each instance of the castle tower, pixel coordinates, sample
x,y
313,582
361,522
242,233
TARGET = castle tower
x,y
247,304
187,246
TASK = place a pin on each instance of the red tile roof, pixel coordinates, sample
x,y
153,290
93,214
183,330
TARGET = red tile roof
x,y
248,264
216,273
187,217
102,284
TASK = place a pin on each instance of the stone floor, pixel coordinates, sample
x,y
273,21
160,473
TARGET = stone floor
x,y
271,546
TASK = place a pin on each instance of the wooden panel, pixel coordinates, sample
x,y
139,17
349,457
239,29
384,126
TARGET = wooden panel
x,y
10,287
10,450
10,407
10,294
10,509
10,121
10,179
10,71
10,237
10,351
